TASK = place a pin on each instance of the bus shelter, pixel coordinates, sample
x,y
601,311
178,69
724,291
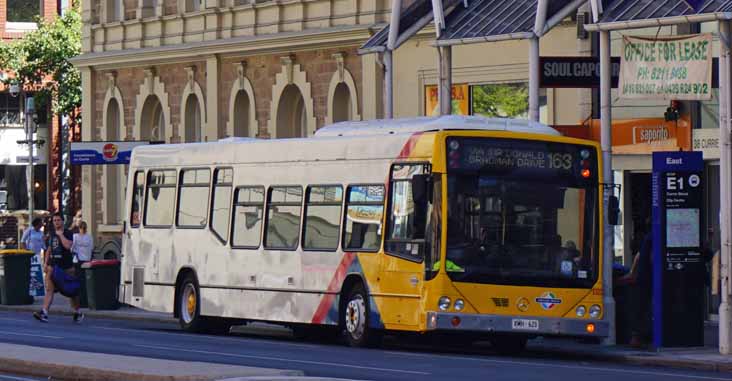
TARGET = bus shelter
x,y
463,22
621,15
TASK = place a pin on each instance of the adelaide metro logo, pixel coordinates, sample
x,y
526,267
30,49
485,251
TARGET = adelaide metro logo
x,y
548,300
110,151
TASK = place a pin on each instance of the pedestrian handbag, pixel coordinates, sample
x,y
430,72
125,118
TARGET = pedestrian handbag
x,y
66,284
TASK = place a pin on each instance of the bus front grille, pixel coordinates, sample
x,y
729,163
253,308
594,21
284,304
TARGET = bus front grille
x,y
500,302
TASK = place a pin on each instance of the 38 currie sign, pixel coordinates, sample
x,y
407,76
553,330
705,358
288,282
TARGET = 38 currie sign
x,y
677,67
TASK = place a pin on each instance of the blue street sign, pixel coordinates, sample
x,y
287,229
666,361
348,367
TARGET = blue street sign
x,y
101,153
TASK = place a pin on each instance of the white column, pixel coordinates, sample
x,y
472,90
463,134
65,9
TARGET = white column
x,y
725,128
212,99
534,79
607,177
444,90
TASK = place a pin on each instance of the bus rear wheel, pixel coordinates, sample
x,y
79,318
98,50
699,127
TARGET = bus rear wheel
x,y
189,301
355,319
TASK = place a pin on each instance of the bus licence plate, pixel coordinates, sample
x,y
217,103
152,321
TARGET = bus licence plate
x,y
525,324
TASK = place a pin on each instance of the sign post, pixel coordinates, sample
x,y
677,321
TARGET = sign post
x,y
677,260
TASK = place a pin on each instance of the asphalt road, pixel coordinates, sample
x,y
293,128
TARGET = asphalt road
x,y
395,361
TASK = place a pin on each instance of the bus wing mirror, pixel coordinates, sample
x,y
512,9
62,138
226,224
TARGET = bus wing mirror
x,y
613,210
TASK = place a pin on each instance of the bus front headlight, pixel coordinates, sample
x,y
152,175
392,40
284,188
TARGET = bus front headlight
x,y
444,303
459,304
581,311
595,311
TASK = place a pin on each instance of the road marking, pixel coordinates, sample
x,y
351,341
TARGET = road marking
x,y
577,367
259,339
4,377
22,320
30,334
284,360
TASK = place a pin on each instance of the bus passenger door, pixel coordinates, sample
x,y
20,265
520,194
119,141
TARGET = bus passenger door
x,y
133,279
405,246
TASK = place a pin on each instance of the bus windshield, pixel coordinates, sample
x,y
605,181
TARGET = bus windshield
x,y
522,213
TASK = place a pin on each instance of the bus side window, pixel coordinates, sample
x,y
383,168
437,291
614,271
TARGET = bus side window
x,y
220,203
364,213
406,216
284,205
193,198
160,198
138,190
322,218
246,225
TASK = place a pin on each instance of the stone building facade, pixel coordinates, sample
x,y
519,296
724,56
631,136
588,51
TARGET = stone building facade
x,y
202,70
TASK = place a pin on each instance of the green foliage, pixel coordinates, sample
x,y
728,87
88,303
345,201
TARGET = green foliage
x,y
501,100
45,53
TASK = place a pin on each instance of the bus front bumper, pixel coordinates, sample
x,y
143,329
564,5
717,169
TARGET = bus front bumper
x,y
531,325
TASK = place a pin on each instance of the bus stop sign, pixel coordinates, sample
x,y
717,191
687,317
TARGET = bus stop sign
x,y
678,267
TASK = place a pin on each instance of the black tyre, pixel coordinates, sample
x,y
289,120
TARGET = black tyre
x,y
189,302
509,345
355,319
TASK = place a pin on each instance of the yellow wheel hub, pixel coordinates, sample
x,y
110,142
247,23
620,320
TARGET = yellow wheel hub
x,y
191,304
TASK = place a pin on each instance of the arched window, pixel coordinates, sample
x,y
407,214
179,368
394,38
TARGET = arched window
x,y
192,120
342,103
241,114
153,120
114,186
291,114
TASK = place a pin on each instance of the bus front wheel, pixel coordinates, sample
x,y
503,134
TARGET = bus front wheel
x,y
355,319
189,301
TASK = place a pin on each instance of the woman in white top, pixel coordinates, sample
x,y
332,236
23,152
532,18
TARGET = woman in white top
x,y
82,244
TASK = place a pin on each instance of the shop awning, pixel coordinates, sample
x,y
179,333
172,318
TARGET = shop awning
x,y
475,21
631,14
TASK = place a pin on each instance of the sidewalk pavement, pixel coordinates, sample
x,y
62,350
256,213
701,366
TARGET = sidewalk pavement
x,y
72,365
703,358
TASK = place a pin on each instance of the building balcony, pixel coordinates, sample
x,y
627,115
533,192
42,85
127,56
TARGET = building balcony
x,y
157,25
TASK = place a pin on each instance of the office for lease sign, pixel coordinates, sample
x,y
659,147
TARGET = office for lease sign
x,y
676,67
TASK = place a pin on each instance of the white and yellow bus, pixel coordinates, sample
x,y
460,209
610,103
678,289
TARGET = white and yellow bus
x,y
450,224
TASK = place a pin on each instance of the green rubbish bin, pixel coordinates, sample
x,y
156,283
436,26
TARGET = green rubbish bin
x,y
102,284
15,276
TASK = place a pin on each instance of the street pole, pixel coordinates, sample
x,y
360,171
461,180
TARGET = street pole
x,y
29,110
534,79
444,90
725,178
608,257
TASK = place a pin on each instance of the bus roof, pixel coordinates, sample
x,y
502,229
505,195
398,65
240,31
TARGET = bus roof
x,y
424,124
377,139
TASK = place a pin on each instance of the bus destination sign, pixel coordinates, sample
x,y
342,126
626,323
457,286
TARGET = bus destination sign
x,y
509,156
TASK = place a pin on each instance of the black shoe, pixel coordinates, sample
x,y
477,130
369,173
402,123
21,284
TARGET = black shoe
x,y
41,316
78,317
